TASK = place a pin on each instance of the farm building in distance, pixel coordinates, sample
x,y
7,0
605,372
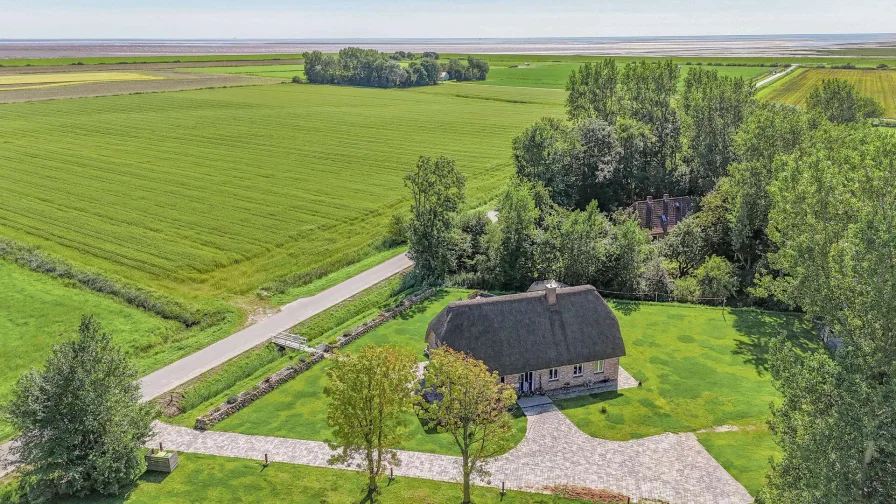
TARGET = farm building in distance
x,y
546,339
660,216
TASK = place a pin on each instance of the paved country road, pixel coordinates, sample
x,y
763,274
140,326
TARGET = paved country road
x,y
220,352
776,76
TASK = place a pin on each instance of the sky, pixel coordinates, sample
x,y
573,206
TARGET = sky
x,y
300,19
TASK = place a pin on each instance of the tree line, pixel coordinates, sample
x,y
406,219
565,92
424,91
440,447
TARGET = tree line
x,y
354,66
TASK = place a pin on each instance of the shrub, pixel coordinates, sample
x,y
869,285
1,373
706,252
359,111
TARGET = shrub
x,y
715,278
686,290
397,232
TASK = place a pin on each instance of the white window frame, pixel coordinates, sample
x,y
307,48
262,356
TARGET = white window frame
x,y
578,369
553,374
599,366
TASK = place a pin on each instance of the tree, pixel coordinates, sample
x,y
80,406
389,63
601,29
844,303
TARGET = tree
x,y
370,399
437,188
685,245
832,221
770,132
593,92
541,155
514,242
627,251
633,178
712,109
646,94
81,420
715,278
472,409
838,101
594,157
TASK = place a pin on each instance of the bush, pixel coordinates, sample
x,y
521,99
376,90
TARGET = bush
x,y
715,278
655,278
397,232
686,290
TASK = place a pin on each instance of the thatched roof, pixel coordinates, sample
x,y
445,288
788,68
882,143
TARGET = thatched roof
x,y
524,332
540,285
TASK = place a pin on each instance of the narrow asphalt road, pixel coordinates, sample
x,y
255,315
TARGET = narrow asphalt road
x,y
776,76
220,352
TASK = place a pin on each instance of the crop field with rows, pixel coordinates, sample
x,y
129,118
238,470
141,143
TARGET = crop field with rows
x,y
216,192
795,89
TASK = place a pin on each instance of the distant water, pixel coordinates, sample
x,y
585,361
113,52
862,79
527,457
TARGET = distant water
x,y
735,45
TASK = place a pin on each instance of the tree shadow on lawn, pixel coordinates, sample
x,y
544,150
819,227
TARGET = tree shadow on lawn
x,y
625,306
761,328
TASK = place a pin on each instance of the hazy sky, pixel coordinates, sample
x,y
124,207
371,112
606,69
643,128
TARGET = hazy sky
x,y
420,18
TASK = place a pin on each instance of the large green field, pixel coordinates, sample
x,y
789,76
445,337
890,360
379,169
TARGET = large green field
x,y
216,192
37,312
794,89
286,71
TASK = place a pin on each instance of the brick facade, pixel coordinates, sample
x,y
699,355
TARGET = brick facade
x,y
542,382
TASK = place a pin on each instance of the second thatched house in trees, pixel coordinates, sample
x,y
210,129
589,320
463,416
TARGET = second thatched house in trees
x,y
549,338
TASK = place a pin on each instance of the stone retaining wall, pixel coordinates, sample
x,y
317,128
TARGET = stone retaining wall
x,y
270,383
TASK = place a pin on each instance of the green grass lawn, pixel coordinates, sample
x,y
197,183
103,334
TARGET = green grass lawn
x,y
298,409
745,454
205,478
217,192
700,366
37,312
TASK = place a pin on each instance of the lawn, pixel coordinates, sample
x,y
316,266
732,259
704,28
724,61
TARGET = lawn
x,y
205,478
744,454
298,409
794,89
39,311
700,367
218,192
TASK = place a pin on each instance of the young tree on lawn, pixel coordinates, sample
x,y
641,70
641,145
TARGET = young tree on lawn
x,y
473,409
437,188
81,420
370,397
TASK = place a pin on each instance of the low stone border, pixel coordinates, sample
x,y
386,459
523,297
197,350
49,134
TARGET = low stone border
x,y
286,374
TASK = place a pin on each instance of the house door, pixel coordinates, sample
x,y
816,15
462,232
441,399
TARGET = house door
x,y
526,380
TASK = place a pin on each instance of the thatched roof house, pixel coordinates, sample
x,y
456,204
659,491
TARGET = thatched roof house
x,y
565,334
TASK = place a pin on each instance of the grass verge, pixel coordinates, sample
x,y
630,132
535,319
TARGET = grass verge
x,y
744,454
205,478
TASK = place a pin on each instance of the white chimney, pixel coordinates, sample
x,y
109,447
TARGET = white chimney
x,y
551,292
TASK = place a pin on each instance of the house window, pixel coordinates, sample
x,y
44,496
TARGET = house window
x,y
502,379
577,370
553,374
599,366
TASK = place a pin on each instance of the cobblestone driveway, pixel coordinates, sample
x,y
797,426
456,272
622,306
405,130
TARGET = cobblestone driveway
x,y
671,467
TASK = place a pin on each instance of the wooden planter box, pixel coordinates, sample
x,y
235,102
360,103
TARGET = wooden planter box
x,y
161,461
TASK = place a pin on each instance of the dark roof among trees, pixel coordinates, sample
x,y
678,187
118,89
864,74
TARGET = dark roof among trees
x,y
524,332
651,212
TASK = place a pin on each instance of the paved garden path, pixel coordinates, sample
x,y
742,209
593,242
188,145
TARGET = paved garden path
x,y
220,352
671,467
